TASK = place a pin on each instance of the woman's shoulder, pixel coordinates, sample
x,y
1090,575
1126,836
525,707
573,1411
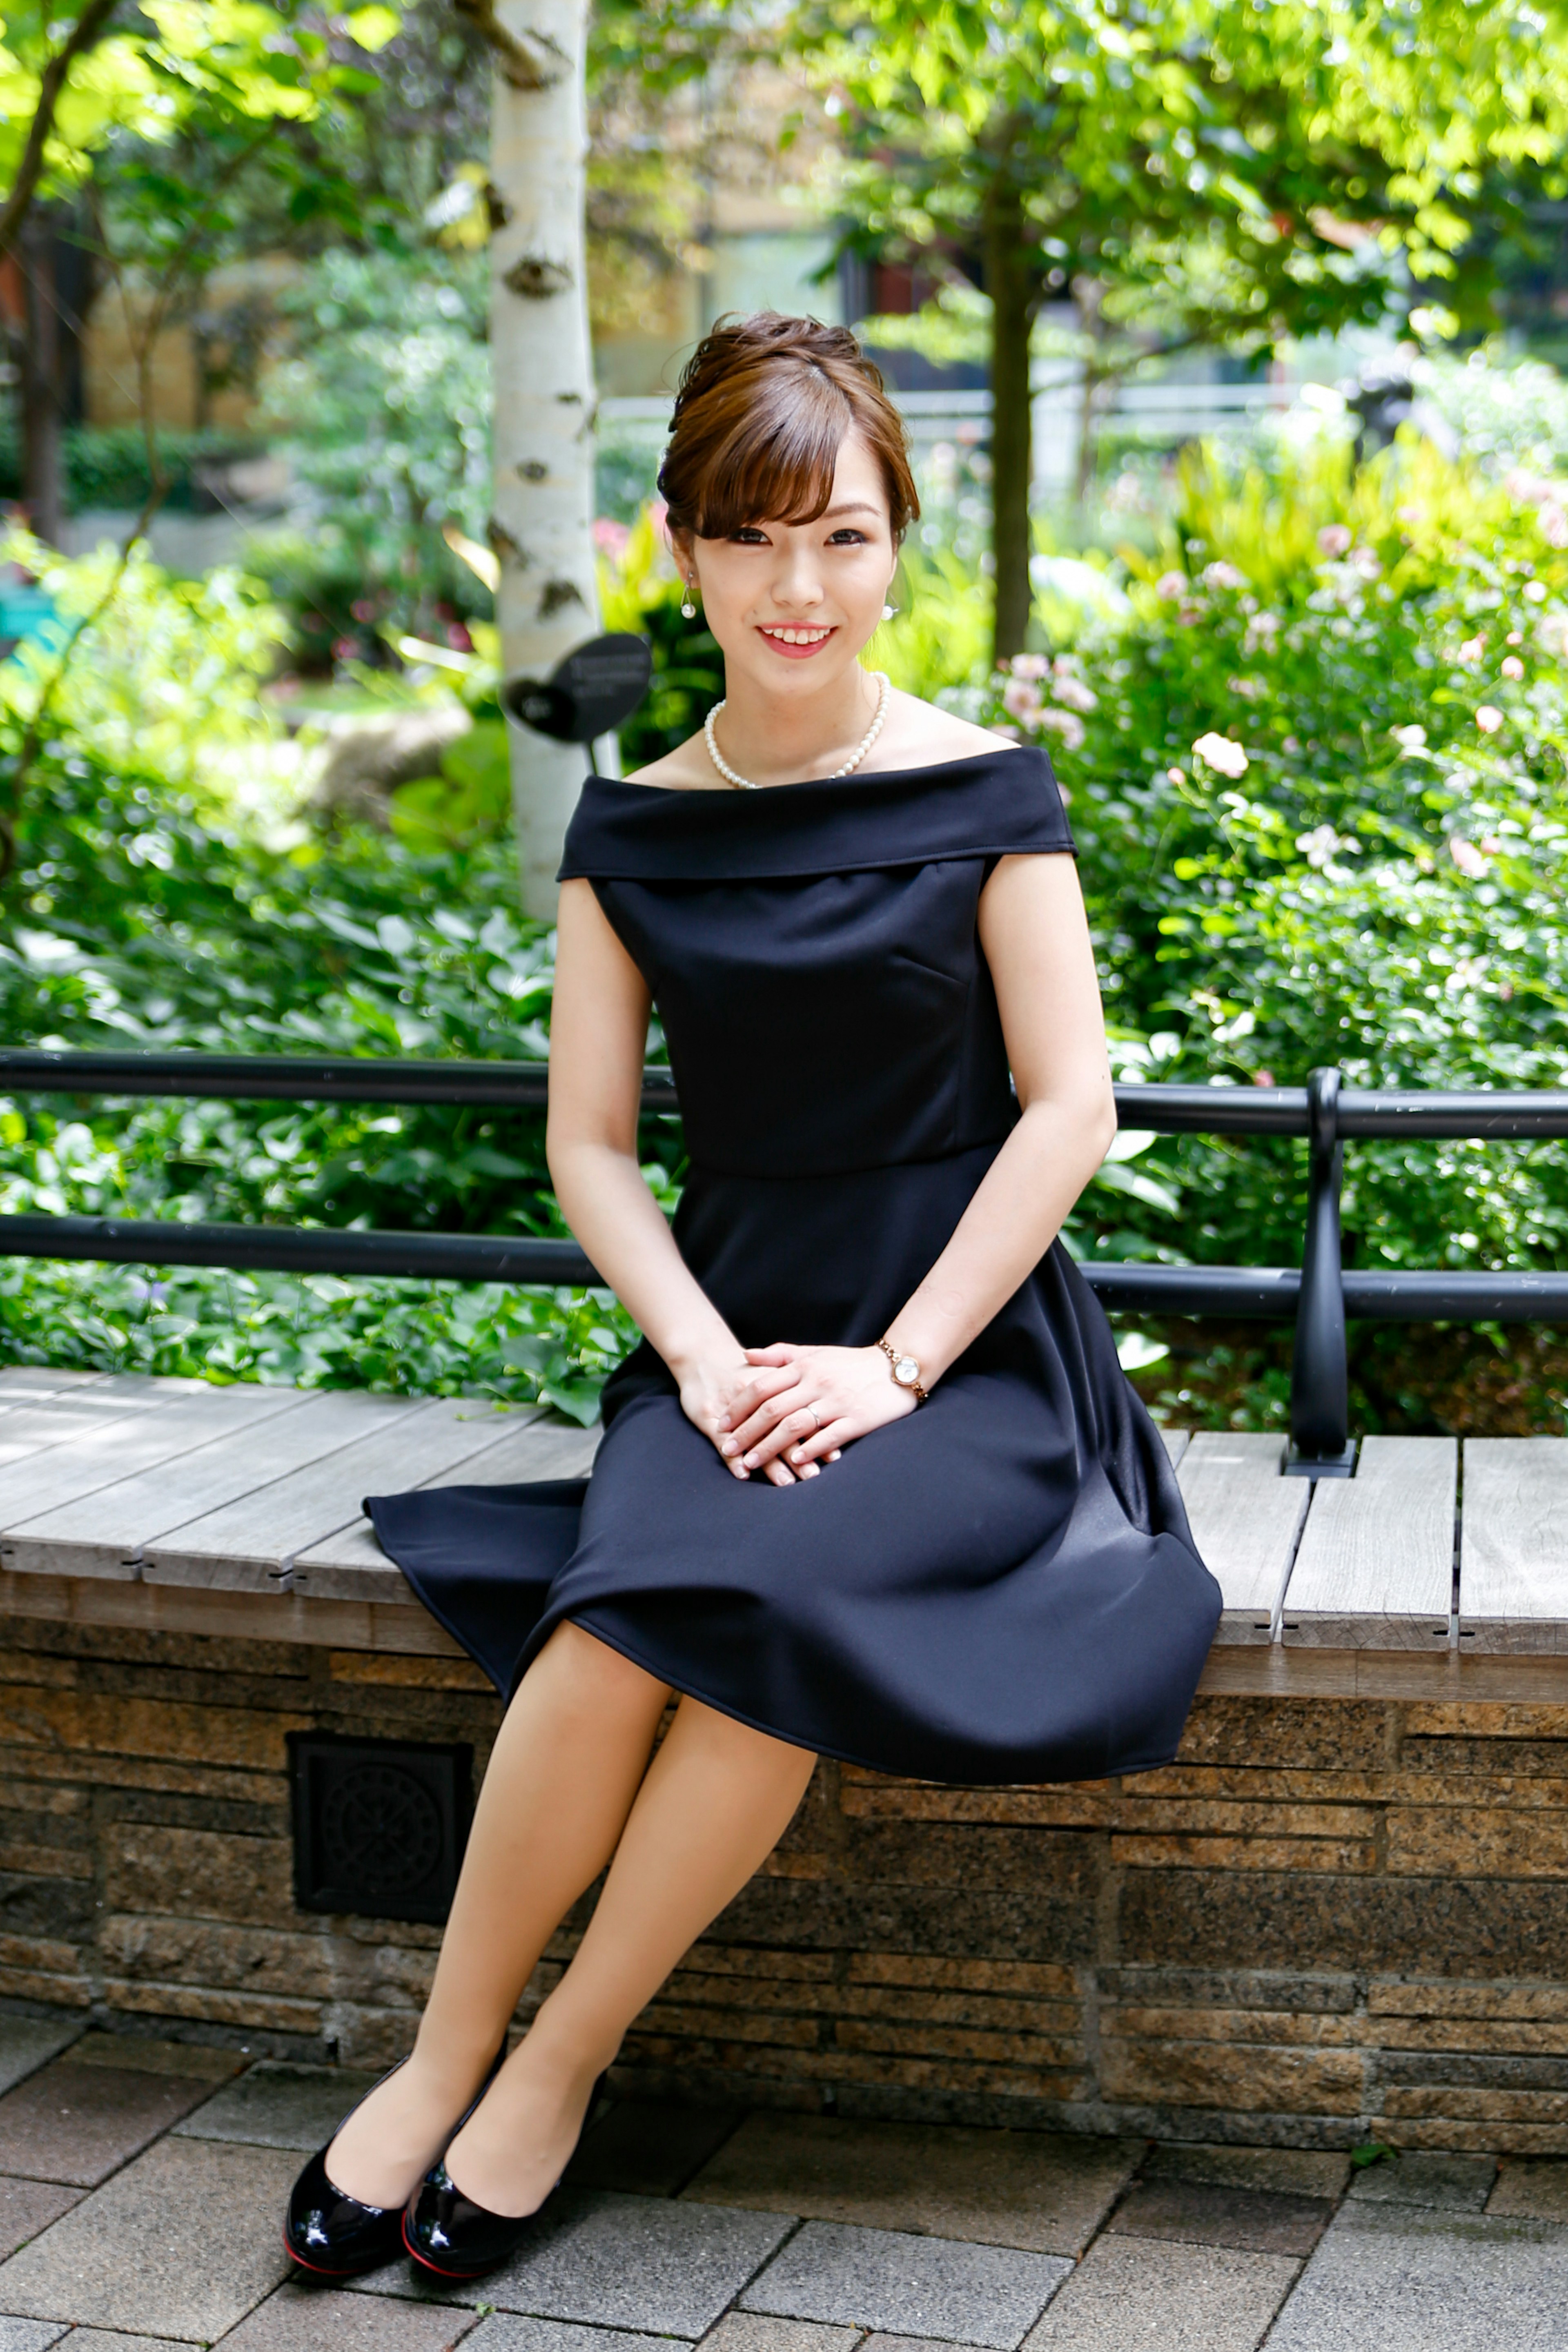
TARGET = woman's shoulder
x,y
921,734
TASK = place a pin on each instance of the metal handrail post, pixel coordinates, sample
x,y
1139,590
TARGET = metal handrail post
x,y
1321,1445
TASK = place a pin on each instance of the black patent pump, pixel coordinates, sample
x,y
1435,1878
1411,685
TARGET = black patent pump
x,y
452,2237
328,2234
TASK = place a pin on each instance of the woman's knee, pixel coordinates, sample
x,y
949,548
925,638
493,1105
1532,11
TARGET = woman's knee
x,y
583,1664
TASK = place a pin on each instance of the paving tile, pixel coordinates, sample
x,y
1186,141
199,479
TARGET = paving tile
x,y
512,2331
322,2319
906,2286
209,2211
277,2106
1532,2185
1282,2171
78,2124
755,2331
1044,2191
649,2149
99,2339
134,2053
1456,2184
1129,2294
29,2335
637,2264
1196,2214
28,2206
28,2042
1402,2280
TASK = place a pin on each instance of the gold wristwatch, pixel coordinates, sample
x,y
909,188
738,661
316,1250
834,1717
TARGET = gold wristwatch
x,y
906,1371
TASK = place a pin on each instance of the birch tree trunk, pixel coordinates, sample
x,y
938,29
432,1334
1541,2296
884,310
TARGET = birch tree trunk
x,y
543,512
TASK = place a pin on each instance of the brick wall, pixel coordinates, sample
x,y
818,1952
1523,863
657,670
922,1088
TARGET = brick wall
x,y
1334,1914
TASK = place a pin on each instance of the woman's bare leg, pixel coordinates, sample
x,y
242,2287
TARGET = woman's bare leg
x,y
566,1767
716,1801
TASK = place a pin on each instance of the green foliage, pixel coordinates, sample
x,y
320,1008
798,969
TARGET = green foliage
x,y
640,590
106,464
387,403
151,913
167,683
468,803
1320,787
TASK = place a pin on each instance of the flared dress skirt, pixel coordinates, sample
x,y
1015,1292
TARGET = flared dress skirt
x,y
999,1587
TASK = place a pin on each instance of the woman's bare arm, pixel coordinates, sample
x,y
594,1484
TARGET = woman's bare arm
x,y
599,1033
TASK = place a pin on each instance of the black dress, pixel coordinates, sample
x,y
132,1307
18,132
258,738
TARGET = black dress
x,y
1000,1585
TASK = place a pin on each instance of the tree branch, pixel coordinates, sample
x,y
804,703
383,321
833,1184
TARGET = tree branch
x,y
528,60
85,34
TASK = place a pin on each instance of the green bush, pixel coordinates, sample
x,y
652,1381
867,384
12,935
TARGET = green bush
x,y
1318,782
106,464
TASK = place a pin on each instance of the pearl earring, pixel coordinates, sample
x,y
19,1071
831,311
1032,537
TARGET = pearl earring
x,y
887,612
689,609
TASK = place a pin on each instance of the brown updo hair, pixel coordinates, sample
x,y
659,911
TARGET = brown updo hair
x,y
765,407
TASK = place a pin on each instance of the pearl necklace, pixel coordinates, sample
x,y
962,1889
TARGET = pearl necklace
x,y
744,784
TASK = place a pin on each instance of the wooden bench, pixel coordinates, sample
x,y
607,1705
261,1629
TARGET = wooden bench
x,y
1344,1909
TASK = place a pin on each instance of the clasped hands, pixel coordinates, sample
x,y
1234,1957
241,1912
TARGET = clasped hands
x,y
785,1411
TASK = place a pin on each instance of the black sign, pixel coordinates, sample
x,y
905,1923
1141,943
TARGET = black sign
x,y
588,694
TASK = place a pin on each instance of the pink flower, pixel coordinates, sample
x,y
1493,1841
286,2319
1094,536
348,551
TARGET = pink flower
x,y
1223,575
1219,753
344,648
1009,734
1021,696
1073,692
1030,666
1488,719
1467,857
1554,524
362,609
1472,649
1171,584
610,538
1514,666
1065,724
1334,540
1176,775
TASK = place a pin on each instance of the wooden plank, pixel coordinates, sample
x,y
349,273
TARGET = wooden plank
x,y
282,1617
1442,1675
1176,1441
28,1428
1246,1520
249,1543
50,1512
1375,1565
1513,1549
31,1383
352,1565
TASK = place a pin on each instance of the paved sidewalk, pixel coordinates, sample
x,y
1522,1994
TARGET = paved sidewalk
x,y
141,2185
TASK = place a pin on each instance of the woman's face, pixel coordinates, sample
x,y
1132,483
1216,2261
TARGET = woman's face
x,y
792,603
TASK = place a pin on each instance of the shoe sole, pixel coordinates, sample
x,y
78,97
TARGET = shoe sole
x,y
359,2270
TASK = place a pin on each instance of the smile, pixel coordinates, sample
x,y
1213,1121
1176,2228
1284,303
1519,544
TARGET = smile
x,y
795,639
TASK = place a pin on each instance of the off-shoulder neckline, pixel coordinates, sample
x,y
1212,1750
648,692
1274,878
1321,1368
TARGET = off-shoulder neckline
x,y
806,783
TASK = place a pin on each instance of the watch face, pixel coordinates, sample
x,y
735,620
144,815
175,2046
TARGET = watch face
x,y
908,1370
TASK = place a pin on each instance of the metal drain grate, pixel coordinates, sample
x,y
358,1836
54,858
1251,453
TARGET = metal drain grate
x,y
379,1824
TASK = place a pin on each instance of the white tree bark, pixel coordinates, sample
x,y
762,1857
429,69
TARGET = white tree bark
x,y
542,358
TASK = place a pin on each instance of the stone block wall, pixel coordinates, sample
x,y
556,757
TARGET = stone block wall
x,y
1331,1915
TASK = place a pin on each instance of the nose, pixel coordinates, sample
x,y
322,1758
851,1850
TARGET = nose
x,y
796,582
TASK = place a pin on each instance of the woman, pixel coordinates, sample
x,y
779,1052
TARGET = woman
x,y
960,1552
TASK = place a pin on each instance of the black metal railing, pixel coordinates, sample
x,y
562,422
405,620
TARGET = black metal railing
x,y
1319,1297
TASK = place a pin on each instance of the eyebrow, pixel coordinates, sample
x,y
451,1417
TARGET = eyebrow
x,y
855,506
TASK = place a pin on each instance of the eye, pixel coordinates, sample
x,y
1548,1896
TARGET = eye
x,y
848,536
749,535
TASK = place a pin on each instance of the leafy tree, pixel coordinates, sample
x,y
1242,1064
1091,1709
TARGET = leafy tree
x,y
175,100
1196,172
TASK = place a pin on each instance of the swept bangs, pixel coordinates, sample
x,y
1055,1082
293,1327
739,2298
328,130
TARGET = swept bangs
x,y
764,407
